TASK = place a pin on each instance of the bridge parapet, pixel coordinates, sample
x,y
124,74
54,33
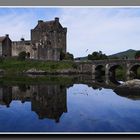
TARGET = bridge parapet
x,y
115,61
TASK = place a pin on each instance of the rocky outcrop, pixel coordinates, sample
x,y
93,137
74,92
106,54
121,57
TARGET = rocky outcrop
x,y
135,83
129,89
34,71
63,71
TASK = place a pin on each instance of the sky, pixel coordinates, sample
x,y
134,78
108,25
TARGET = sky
x,y
89,29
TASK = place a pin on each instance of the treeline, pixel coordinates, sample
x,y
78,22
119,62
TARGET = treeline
x,y
97,56
101,56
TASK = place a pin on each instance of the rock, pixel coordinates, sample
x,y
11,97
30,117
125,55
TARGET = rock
x,y
135,83
63,71
35,71
129,89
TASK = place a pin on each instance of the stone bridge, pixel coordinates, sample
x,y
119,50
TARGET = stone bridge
x,y
108,67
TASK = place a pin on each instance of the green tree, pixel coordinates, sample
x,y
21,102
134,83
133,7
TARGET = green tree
x,y
66,56
22,55
97,56
69,56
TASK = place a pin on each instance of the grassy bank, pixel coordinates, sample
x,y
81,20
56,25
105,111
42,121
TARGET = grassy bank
x,y
14,66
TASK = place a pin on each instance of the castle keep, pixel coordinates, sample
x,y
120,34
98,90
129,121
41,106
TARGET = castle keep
x,y
48,40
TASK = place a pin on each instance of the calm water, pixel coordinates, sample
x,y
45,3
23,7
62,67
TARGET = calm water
x,y
75,107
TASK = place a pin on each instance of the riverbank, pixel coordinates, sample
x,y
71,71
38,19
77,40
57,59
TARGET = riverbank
x,y
13,66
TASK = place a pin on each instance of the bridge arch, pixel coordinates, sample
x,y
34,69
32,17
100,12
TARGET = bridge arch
x,y
100,69
133,70
113,68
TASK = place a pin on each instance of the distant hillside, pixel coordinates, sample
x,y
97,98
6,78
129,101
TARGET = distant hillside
x,y
81,58
129,54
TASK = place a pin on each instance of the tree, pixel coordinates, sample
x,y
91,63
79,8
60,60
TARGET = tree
x,y
137,55
97,56
66,56
22,55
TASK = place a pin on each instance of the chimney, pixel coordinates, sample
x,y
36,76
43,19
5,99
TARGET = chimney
x,y
40,21
7,35
57,19
22,39
65,29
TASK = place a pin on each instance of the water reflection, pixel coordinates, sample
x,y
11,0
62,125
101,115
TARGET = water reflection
x,y
133,94
48,101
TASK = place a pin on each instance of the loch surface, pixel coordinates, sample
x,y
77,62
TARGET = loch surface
x,y
74,107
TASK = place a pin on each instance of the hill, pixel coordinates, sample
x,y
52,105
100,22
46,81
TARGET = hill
x,y
129,54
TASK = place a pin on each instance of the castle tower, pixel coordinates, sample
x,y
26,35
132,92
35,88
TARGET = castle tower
x,y
48,39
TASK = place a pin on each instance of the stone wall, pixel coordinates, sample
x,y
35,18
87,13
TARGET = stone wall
x,y
48,39
19,46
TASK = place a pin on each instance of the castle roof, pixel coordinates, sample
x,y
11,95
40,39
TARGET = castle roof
x,y
49,25
2,38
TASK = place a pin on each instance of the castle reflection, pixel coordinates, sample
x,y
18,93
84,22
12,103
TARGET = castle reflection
x,y
48,101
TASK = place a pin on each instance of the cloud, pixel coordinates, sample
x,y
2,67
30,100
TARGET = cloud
x,y
16,24
109,30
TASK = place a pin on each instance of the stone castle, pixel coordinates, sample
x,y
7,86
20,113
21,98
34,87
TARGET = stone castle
x,y
48,40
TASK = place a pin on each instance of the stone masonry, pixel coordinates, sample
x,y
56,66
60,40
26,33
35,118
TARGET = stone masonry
x,y
48,40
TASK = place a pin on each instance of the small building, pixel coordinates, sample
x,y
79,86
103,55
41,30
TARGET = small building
x,y
5,46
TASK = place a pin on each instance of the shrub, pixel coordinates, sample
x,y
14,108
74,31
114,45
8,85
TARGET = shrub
x,y
97,56
66,56
69,56
22,55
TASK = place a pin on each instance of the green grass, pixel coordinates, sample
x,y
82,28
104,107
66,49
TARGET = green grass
x,y
14,66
